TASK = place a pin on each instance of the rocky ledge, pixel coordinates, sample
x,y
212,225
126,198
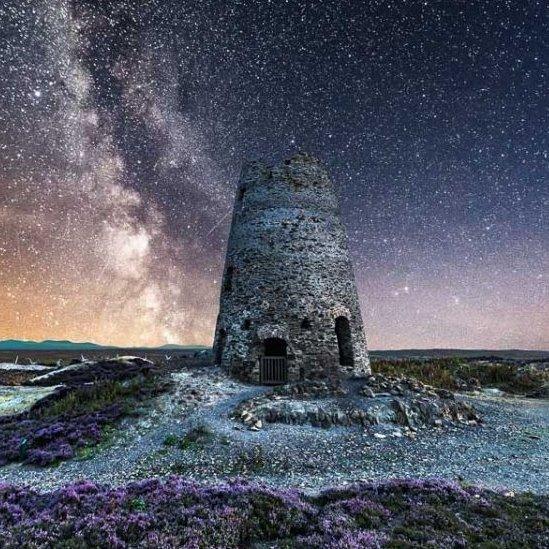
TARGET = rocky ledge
x,y
91,371
12,373
382,404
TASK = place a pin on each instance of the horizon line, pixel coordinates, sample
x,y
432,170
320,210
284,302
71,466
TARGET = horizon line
x,y
130,346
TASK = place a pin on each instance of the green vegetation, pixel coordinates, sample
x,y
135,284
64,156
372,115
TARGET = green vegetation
x,y
100,395
108,437
456,373
196,437
250,461
137,504
171,440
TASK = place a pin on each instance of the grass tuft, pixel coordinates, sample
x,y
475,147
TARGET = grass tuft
x,y
456,373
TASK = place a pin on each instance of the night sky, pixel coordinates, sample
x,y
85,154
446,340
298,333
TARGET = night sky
x,y
123,128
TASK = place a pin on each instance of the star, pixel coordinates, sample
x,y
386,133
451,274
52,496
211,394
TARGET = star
x,y
124,129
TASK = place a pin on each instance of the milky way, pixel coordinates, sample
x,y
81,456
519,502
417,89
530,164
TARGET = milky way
x,y
123,128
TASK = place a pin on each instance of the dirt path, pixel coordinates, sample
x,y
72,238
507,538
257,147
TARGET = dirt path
x,y
511,450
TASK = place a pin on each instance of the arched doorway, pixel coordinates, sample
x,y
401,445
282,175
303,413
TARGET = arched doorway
x,y
220,347
344,341
274,346
273,369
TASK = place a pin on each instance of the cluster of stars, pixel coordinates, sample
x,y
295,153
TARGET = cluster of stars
x,y
123,125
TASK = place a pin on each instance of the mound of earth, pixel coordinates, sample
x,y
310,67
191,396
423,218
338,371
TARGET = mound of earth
x,y
382,401
72,408
115,369
187,430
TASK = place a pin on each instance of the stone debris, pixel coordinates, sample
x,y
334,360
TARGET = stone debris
x,y
308,389
383,385
403,402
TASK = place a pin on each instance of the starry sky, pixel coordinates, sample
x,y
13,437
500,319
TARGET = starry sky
x,y
123,125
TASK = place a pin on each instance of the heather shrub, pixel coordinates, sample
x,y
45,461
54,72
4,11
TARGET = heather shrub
x,y
179,513
174,513
70,420
45,441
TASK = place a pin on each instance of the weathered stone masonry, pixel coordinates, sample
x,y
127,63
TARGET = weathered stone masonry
x,y
288,288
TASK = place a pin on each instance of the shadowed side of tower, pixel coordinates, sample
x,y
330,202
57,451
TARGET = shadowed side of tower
x,y
289,307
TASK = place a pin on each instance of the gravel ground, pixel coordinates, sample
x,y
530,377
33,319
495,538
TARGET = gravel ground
x,y
510,450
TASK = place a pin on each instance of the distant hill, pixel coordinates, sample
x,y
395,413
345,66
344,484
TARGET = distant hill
x,y
65,345
515,354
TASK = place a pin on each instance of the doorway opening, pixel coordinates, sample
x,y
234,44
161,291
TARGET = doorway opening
x,y
344,341
220,347
274,346
273,368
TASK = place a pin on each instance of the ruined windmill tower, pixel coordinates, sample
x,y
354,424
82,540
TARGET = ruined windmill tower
x,y
289,307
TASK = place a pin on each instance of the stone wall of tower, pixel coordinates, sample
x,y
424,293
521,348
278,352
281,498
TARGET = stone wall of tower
x,y
288,275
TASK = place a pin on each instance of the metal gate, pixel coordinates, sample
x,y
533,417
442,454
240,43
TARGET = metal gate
x,y
273,370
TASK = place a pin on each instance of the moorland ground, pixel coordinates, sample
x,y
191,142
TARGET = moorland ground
x,y
178,419
509,449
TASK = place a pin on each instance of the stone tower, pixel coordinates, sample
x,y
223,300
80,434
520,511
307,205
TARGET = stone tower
x,y
289,307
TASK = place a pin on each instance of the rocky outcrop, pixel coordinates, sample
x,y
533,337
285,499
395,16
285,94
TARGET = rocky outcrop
x,y
308,389
16,400
116,369
401,386
17,374
405,403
